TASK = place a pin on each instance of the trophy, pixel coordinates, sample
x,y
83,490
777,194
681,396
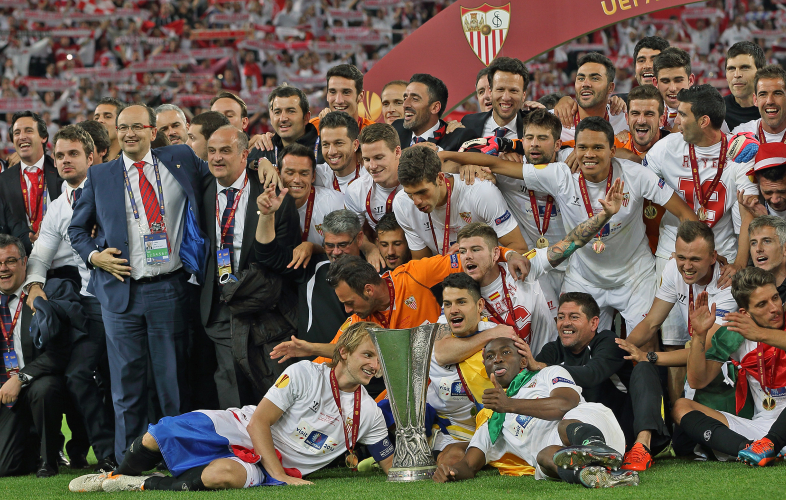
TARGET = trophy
x,y
405,356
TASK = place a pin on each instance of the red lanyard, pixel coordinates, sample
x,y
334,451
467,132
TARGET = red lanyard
x,y
351,436
701,196
536,215
385,322
585,194
763,138
511,312
10,335
225,227
446,238
309,212
336,186
760,347
576,118
388,203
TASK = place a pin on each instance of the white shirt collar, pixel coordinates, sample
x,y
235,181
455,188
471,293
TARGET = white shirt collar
x,y
70,190
17,293
128,162
35,166
511,125
238,184
428,134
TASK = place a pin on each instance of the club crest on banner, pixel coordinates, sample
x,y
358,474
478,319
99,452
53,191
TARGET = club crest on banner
x,y
486,28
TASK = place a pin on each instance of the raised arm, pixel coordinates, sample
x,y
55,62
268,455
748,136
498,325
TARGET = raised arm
x,y
449,349
496,165
702,371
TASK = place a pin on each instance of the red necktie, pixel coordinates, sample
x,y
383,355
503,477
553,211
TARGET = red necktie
x,y
149,200
34,201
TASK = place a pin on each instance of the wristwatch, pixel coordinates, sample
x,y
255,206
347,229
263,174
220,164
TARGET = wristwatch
x,y
24,378
652,357
28,286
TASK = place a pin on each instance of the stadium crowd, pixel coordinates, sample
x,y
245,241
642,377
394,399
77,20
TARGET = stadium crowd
x,y
607,268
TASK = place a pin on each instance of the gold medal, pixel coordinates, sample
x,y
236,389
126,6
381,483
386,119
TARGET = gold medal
x,y
542,242
702,213
598,246
769,403
352,460
650,212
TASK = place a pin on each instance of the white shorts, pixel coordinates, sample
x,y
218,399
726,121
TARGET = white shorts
x,y
633,300
442,440
753,429
551,284
254,473
674,331
589,413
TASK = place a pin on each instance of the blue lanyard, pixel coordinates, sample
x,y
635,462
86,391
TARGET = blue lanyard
x,y
316,150
160,192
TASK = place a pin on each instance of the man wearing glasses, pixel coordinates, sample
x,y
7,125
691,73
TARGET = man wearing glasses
x,y
140,204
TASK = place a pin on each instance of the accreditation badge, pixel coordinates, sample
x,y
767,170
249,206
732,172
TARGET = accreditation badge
x,y
224,263
156,247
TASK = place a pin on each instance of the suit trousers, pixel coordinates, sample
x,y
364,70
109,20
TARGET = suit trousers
x,y
153,330
234,388
21,443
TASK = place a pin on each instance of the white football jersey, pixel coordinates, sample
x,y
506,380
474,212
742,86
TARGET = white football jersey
x,y
669,159
778,393
753,126
357,193
627,255
325,201
480,202
325,177
618,123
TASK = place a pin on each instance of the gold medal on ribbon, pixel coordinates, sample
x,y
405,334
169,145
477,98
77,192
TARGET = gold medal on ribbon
x,y
702,213
352,460
598,246
650,212
769,403
542,242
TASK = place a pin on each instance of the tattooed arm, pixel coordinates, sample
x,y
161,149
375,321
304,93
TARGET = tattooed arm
x,y
584,232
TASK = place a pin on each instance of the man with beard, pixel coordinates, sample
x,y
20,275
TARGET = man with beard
x,y
172,122
289,116
672,74
338,140
645,109
392,242
393,100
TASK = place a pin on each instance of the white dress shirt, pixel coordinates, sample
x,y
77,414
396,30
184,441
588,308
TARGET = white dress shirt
x,y
12,305
428,134
491,126
240,217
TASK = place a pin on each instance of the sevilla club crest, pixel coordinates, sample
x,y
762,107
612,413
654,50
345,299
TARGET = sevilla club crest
x,y
486,28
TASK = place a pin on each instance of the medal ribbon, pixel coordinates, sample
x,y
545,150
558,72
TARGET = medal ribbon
x,y
701,196
536,215
351,436
763,138
511,312
309,212
336,186
576,118
225,228
446,238
388,203
385,322
585,193
30,206
760,347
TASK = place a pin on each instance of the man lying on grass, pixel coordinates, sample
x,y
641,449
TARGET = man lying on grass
x,y
541,418
304,422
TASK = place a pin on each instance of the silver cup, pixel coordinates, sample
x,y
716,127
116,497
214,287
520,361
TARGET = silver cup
x,y
405,356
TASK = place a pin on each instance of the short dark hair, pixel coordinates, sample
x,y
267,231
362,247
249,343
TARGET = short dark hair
x,y
598,58
462,281
542,118
77,133
650,42
587,303
551,100
437,91
646,92
7,240
380,132
151,113
338,119
40,123
387,222
774,174
705,100
596,124
210,121
773,71
229,95
111,101
673,57
508,65
349,72
484,73
354,271
749,48
98,133
744,283
418,164
479,230
401,83
690,230
298,150
289,91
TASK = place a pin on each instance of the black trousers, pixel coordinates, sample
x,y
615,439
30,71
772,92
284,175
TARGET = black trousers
x,y
234,388
35,418
642,408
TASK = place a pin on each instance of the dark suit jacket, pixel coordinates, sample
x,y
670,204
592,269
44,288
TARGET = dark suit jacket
x,y
287,232
14,202
450,142
476,121
103,203
51,360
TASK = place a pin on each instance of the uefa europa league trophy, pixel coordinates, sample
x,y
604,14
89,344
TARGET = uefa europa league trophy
x,y
405,356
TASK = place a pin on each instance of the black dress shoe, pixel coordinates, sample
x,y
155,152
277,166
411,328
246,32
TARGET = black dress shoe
x,y
46,470
62,460
106,465
79,462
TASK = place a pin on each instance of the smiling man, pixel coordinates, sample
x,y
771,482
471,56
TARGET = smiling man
x,y
289,115
344,92
338,139
770,99
172,122
278,441
645,109
393,100
672,74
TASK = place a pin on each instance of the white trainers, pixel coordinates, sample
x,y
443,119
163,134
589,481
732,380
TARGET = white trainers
x,y
87,483
122,482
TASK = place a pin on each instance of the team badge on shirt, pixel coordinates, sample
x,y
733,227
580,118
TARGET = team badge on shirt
x,y
466,216
318,227
282,381
625,199
411,302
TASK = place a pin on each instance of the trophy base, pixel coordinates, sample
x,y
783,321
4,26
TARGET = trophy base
x,y
409,474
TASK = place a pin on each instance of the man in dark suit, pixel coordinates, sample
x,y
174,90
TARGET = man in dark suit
x,y
26,204
143,204
424,102
230,220
32,389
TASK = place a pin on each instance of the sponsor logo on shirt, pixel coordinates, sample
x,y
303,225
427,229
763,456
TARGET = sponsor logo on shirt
x,y
576,201
316,439
454,261
282,381
314,406
661,182
502,218
557,380
721,313
778,393
523,421
411,302
466,216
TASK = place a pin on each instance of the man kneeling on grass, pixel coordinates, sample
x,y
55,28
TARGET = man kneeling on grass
x,y
305,421
541,418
